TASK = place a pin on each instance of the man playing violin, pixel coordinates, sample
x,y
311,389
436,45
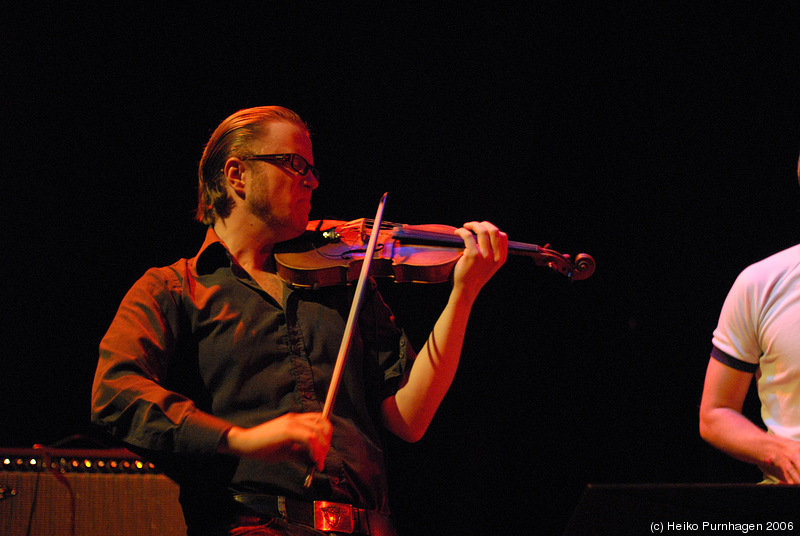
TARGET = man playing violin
x,y
216,369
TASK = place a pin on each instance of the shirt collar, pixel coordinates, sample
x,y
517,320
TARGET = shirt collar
x,y
212,254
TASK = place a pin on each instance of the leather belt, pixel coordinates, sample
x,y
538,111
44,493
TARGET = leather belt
x,y
321,515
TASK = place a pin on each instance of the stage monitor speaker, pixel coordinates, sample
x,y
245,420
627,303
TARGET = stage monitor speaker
x,y
691,508
86,492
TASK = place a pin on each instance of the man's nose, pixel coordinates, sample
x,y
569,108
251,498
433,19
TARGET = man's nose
x,y
310,181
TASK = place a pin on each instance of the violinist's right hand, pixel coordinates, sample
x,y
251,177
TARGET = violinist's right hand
x,y
302,437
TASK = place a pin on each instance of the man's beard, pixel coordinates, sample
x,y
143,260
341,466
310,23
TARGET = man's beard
x,y
285,225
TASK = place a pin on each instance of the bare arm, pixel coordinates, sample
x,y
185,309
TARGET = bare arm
x,y
723,426
410,411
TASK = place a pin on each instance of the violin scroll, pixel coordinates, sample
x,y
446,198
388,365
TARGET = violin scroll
x,y
584,266
581,268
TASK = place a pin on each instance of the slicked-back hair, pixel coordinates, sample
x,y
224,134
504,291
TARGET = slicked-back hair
x,y
232,138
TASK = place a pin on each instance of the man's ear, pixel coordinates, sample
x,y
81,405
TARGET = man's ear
x,y
234,174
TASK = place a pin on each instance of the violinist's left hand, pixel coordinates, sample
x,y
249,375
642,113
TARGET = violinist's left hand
x,y
486,249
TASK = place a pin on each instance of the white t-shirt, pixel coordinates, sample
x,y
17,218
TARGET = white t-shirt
x,y
759,331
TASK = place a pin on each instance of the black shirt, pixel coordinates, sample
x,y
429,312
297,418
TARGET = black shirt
x,y
198,346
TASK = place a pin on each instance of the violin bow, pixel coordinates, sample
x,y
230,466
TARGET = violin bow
x,y
341,359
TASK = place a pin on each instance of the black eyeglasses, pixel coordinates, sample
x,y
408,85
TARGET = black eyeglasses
x,y
295,161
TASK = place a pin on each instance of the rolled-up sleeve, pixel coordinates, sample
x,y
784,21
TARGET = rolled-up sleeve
x,y
129,397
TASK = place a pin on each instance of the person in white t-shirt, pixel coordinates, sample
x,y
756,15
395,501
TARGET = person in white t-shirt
x,y
758,333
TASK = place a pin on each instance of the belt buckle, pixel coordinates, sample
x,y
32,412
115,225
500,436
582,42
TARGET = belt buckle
x,y
331,516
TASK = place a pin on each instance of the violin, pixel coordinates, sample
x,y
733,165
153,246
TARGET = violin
x,y
331,252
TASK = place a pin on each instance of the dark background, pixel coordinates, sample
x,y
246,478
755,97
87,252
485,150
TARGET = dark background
x,y
662,140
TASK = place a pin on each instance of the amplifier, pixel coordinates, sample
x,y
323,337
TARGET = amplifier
x,y
85,492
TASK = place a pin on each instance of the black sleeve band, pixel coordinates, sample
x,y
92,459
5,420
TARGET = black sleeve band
x,y
732,362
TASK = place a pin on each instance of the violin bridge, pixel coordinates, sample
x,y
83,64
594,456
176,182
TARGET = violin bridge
x,y
362,231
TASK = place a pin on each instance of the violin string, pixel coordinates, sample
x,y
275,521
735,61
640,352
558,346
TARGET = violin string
x,y
360,223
